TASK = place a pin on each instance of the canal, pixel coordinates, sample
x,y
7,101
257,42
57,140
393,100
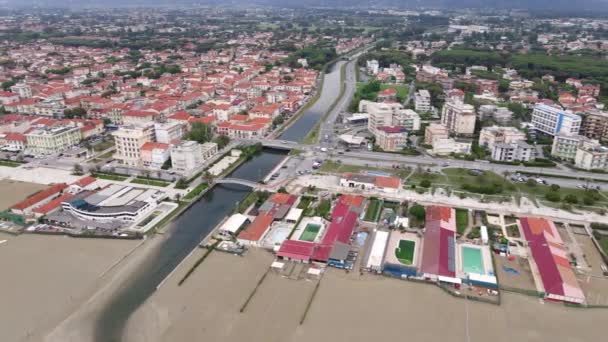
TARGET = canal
x,y
196,222
307,120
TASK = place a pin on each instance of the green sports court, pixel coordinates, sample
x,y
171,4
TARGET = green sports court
x,y
310,232
405,251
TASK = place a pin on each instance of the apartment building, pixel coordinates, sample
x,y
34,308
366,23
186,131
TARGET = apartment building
x,y
169,132
490,136
447,146
422,101
516,151
189,155
435,131
565,145
393,138
154,154
553,120
594,125
129,140
459,117
52,140
23,90
389,114
591,155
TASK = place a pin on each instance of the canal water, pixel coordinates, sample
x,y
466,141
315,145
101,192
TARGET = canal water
x,y
195,223
330,92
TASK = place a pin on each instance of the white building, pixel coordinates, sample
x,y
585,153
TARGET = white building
x,y
552,120
565,145
382,114
189,156
459,117
490,136
516,151
591,156
23,90
422,101
129,140
372,67
447,146
376,253
52,140
169,132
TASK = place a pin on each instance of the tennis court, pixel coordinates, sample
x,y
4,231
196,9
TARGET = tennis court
x,y
405,252
472,261
310,232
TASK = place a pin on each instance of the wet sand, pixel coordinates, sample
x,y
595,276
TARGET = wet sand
x,y
346,308
15,191
45,278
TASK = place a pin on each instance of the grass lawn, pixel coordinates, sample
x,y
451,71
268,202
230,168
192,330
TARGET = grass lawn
x,y
402,89
305,202
152,182
310,232
196,191
373,209
462,220
604,243
102,146
9,163
109,176
405,252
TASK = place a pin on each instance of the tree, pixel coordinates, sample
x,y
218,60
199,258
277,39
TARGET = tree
x,y
77,170
554,187
200,132
278,120
222,141
425,183
418,212
571,198
282,190
553,197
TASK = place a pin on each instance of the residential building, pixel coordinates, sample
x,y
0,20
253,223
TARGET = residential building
x,y
447,146
553,120
52,140
594,125
435,131
490,136
590,155
389,114
565,145
511,152
372,67
391,138
169,132
459,117
189,155
23,90
422,101
154,154
129,140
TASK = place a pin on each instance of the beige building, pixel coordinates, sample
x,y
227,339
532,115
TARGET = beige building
x,y
490,136
590,155
391,138
129,140
382,114
565,145
447,146
459,117
435,131
52,140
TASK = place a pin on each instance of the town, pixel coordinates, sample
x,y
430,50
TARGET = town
x,y
230,163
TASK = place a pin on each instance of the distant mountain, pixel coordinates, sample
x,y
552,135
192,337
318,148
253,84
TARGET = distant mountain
x,y
578,5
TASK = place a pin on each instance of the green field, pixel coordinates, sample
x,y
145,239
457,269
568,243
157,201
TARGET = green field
x,y
152,182
462,220
310,232
373,210
405,251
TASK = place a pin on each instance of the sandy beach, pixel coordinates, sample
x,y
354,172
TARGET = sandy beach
x,y
346,308
45,278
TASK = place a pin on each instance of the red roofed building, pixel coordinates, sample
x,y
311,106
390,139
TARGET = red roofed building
x,y
154,154
270,111
52,205
254,232
40,198
138,116
13,142
438,252
389,94
552,260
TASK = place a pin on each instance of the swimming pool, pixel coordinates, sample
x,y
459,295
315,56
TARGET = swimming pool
x,y
472,260
378,173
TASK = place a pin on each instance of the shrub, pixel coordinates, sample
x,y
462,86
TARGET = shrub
x,y
553,197
425,183
554,187
418,212
571,198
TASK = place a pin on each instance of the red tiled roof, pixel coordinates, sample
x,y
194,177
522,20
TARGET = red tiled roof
x,y
82,182
15,137
294,249
39,196
46,208
181,115
139,113
280,198
388,182
257,228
